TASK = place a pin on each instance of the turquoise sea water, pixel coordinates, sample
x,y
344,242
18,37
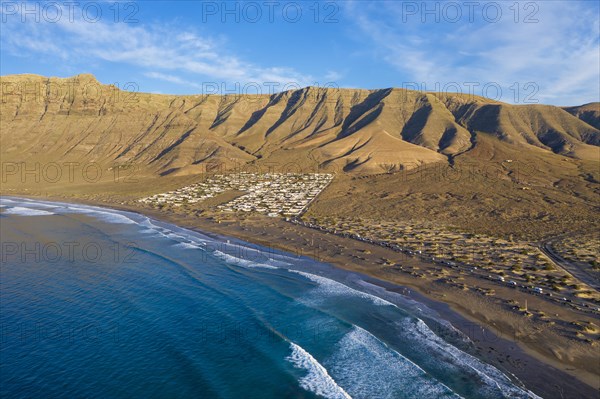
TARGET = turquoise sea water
x,y
98,303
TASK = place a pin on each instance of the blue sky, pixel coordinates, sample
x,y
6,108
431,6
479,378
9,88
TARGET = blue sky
x,y
518,52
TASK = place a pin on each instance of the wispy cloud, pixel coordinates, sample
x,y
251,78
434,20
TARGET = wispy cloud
x,y
161,51
558,53
333,76
172,79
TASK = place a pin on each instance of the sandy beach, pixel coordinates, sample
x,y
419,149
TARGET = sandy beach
x,y
517,345
422,205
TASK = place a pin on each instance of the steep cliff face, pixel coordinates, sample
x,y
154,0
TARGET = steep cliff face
x,y
367,131
543,126
589,113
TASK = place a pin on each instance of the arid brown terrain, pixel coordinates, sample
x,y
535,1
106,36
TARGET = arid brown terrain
x,y
351,130
531,171
436,165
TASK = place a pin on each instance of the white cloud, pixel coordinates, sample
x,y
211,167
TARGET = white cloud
x,y
161,51
559,53
172,79
333,76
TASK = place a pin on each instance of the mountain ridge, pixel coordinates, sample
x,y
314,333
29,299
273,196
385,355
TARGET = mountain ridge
x,y
350,130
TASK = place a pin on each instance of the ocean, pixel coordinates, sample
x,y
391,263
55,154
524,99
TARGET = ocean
x,y
99,303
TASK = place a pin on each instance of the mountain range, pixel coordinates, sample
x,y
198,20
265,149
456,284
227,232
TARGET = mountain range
x,y
359,131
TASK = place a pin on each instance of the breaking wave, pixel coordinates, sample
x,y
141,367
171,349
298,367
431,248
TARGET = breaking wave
x,y
317,379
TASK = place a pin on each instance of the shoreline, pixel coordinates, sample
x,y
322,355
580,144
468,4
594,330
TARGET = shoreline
x,y
539,374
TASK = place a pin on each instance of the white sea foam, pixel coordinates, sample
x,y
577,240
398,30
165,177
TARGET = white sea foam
x,y
409,303
278,263
317,380
328,287
174,236
187,245
493,381
105,216
114,217
368,368
22,211
241,262
151,228
275,259
184,240
42,205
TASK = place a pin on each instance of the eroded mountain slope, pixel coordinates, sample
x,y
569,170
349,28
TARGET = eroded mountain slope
x,y
351,130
